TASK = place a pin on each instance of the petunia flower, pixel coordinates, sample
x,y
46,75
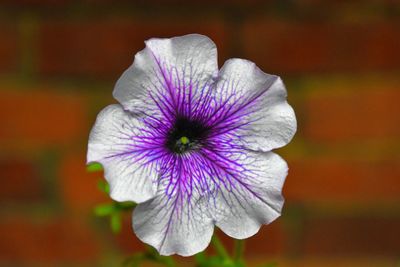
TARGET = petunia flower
x,y
192,144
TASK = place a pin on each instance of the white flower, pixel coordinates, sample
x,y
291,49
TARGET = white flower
x,y
192,144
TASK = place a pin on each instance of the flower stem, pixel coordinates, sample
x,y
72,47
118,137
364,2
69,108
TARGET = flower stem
x,y
239,250
219,247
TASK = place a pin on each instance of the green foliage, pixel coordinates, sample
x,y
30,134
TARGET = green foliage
x,y
94,167
125,206
116,222
150,255
222,259
216,261
113,210
104,209
103,187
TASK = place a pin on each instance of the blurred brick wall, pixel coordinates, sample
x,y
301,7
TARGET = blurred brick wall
x,y
340,61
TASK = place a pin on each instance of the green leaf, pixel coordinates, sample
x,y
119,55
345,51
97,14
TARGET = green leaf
x,y
103,186
104,209
94,167
116,222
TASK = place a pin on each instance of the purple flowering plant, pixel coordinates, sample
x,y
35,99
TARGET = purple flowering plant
x,y
191,146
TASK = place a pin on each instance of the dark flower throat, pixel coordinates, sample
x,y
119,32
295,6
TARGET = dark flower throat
x,y
186,135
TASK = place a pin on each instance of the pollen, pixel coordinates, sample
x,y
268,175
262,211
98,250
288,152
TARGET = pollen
x,y
184,140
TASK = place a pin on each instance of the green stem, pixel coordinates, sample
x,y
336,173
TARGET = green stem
x,y
239,250
219,247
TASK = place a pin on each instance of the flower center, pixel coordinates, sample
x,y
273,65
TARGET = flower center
x,y
184,140
186,135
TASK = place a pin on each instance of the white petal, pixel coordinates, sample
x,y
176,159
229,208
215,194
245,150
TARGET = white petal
x,y
259,105
167,68
247,202
175,225
111,144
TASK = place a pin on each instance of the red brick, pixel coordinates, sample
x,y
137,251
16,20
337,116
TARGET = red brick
x,y
369,236
270,240
353,115
298,47
58,241
21,181
107,47
36,3
340,181
77,186
326,261
8,48
40,117
126,241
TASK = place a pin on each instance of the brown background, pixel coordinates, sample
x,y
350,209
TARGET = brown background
x,y
341,64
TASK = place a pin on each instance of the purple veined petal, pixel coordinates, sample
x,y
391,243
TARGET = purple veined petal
x,y
252,106
191,145
167,75
250,194
118,142
176,221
